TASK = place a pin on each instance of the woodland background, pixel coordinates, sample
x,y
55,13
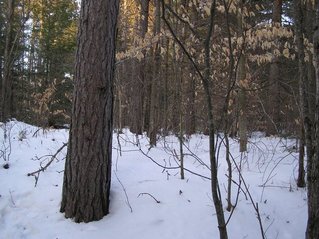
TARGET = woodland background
x,y
256,83
157,89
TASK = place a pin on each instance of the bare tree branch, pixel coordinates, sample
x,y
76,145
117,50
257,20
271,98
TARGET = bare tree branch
x,y
43,168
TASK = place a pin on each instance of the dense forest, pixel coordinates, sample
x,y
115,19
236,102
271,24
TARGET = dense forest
x,y
253,58
230,67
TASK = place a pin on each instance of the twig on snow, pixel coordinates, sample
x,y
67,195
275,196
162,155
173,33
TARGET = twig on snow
x,y
36,173
12,201
141,194
254,204
127,200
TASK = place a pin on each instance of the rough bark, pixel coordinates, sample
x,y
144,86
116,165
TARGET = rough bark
x,y
87,175
7,84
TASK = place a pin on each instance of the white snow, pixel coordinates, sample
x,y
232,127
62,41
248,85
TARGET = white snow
x,y
185,210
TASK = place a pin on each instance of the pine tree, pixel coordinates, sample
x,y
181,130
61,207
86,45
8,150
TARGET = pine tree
x,y
87,176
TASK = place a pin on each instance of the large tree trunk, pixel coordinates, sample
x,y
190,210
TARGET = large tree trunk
x,y
313,166
87,176
6,102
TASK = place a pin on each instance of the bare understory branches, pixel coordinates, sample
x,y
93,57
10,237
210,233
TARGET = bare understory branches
x,y
126,196
36,173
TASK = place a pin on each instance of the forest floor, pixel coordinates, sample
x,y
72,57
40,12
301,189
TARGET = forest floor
x,y
148,201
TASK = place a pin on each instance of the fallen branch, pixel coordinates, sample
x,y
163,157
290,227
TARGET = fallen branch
x,y
141,194
36,132
11,197
43,168
127,201
274,186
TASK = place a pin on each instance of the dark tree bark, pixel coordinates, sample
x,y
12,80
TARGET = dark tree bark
x,y
274,77
87,175
308,26
313,169
165,121
241,79
144,14
154,85
304,104
213,160
301,167
140,84
1,49
304,96
226,118
6,101
190,122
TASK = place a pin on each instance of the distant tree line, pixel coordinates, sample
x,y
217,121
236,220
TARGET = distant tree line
x,y
38,40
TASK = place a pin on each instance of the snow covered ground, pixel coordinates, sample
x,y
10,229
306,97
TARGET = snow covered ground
x,y
185,210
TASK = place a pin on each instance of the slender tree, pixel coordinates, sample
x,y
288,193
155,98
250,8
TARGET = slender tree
x,y
274,75
153,89
226,118
6,102
1,41
207,85
87,176
138,102
303,92
242,82
313,166
303,97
